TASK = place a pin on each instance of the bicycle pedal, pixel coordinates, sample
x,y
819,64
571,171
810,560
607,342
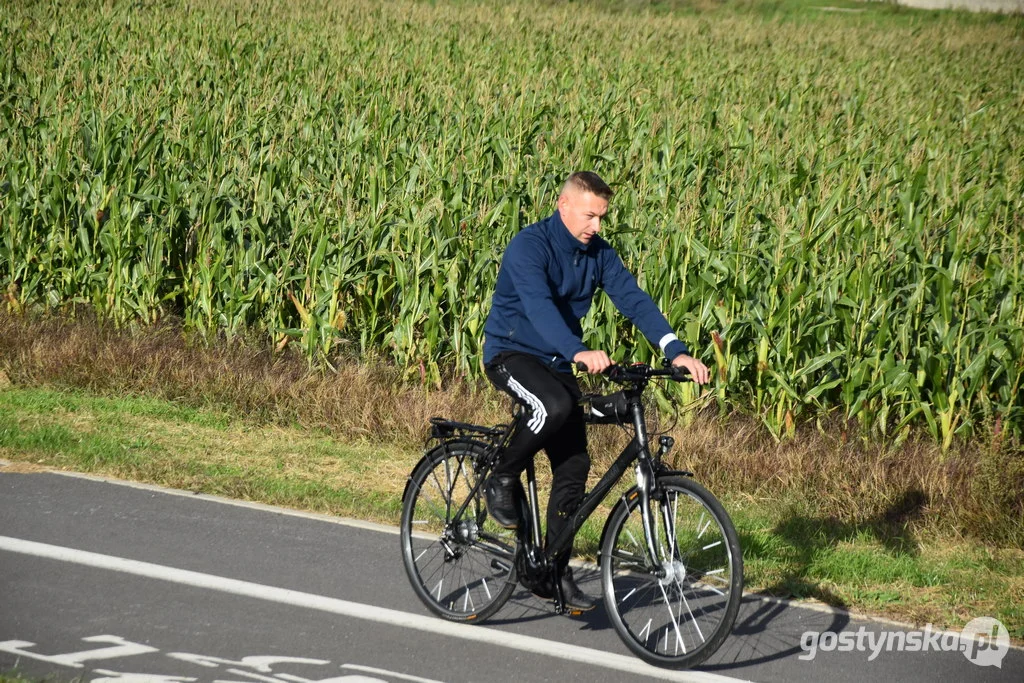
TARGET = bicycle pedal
x,y
567,611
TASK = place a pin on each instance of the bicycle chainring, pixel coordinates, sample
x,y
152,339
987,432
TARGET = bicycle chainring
x,y
530,574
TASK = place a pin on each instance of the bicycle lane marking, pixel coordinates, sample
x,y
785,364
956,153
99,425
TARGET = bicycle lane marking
x,y
356,610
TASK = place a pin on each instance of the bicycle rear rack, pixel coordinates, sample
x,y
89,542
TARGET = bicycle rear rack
x,y
441,428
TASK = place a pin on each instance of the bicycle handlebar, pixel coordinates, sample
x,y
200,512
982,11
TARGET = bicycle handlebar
x,y
622,373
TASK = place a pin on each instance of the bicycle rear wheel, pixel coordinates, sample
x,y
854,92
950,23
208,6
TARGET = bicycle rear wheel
x,y
459,561
675,612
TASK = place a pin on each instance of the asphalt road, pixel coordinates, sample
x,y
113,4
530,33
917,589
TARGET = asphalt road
x,y
103,581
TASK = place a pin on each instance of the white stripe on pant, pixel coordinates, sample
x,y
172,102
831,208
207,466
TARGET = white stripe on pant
x,y
540,413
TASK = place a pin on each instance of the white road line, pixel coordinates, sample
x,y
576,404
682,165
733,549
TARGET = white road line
x,y
385,672
356,610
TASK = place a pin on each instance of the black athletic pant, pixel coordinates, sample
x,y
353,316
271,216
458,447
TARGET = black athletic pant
x,y
552,419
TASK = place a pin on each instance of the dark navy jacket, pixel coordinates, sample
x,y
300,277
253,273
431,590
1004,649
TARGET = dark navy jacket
x,y
546,284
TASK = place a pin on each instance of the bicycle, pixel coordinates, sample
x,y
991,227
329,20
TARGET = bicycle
x,y
670,563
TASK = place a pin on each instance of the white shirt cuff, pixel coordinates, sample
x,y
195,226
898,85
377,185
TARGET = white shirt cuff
x,y
666,340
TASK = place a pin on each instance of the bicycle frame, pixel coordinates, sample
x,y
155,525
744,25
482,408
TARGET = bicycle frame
x,y
494,439
637,450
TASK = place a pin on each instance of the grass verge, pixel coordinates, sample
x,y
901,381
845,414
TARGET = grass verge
x,y
156,441
790,548
14,677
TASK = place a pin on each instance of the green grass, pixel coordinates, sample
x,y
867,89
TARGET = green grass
x,y
914,574
15,677
871,566
160,442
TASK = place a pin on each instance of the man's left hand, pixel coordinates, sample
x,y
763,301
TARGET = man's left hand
x,y
698,371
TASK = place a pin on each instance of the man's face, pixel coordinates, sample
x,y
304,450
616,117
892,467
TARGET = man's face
x,y
582,213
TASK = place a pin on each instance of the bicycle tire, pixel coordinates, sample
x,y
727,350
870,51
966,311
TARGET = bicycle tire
x,y
681,618
461,566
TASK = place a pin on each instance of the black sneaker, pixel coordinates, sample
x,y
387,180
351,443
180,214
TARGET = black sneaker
x,y
575,599
500,494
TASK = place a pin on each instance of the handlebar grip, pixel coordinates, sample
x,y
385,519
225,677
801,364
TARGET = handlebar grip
x,y
611,372
680,374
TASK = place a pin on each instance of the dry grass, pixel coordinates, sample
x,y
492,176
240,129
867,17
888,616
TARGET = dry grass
x,y
976,488
355,401
15,467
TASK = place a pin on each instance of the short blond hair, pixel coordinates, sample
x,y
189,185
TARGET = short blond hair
x,y
588,181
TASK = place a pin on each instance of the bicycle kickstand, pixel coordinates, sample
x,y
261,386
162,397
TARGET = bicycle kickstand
x,y
559,595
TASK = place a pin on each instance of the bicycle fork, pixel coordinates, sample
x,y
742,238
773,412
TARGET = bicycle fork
x,y
644,484
645,479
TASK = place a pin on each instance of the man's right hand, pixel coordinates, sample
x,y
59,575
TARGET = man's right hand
x,y
596,361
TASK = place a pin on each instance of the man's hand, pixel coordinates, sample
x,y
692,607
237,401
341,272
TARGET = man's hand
x,y
698,371
596,361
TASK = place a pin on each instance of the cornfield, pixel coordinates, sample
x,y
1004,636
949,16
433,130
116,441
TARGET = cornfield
x,y
829,207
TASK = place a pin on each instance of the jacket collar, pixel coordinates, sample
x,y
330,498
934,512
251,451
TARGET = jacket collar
x,y
561,238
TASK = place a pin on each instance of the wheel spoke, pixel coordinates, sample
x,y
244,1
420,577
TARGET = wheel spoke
x,y
672,618
704,528
686,603
628,595
646,630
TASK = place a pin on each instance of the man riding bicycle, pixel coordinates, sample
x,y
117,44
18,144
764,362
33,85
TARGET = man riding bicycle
x,y
549,274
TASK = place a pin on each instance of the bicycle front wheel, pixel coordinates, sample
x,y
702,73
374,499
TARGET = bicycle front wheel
x,y
676,610
459,561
